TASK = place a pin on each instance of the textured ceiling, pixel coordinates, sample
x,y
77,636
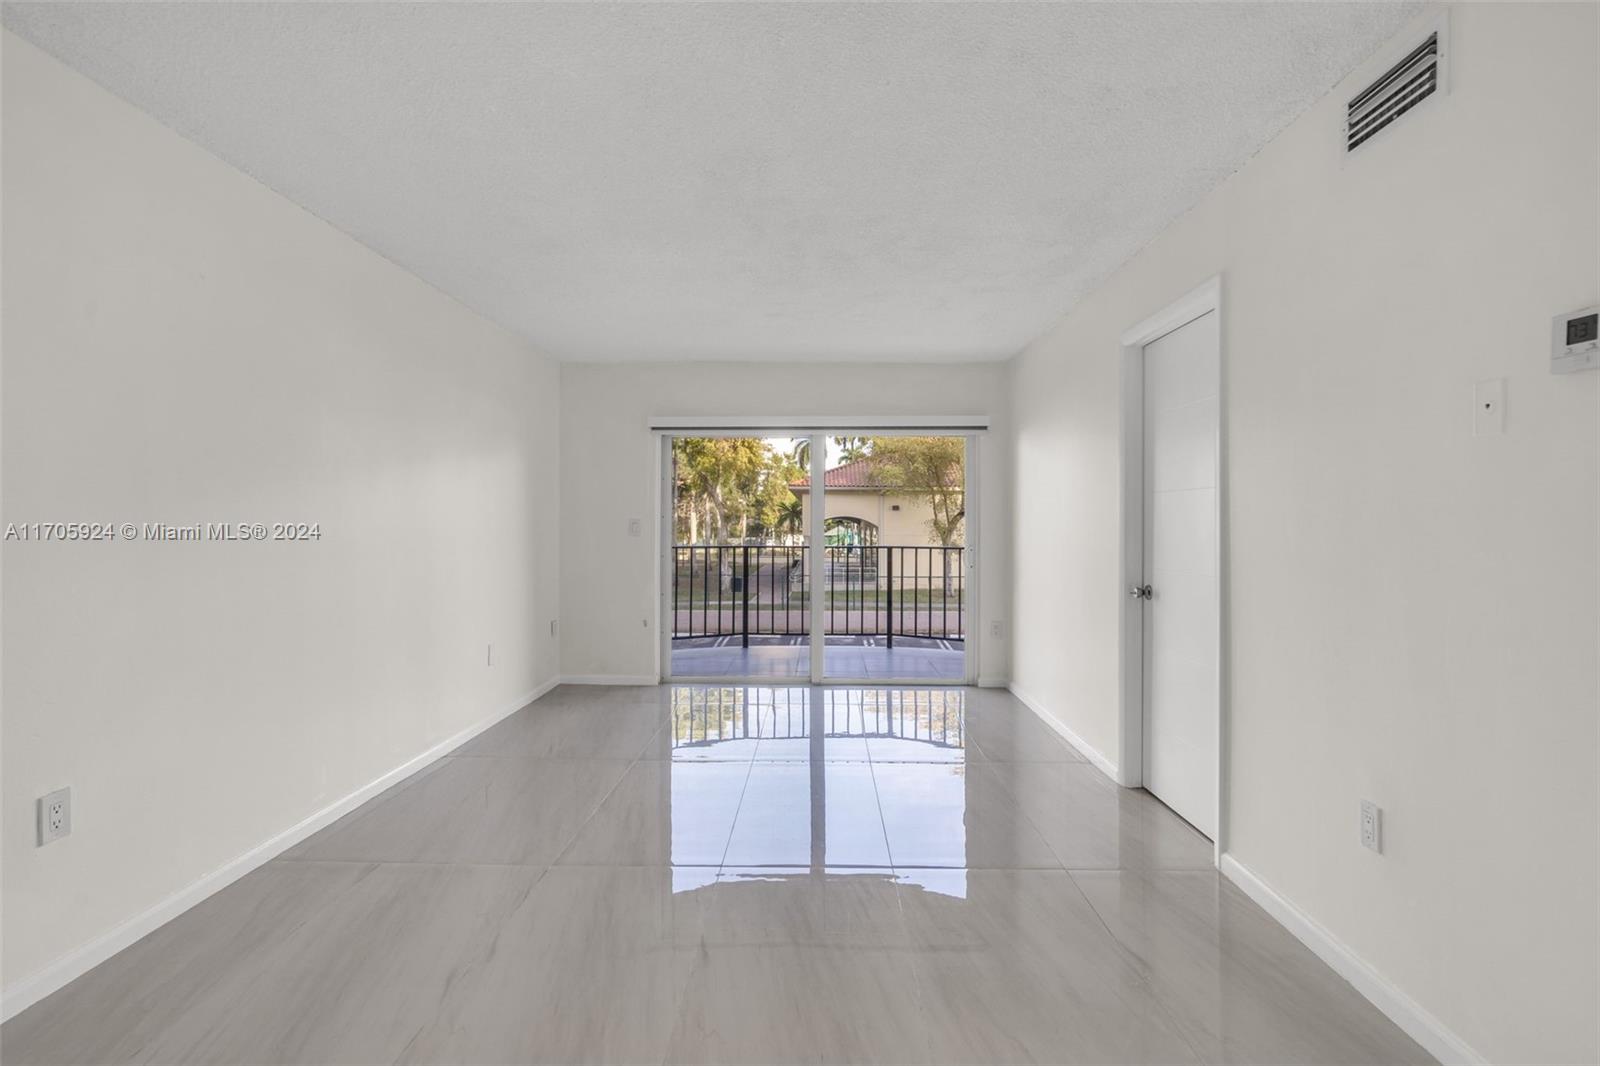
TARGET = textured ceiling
x,y
747,181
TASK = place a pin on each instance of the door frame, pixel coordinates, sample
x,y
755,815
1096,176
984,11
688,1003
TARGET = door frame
x,y
1204,298
817,428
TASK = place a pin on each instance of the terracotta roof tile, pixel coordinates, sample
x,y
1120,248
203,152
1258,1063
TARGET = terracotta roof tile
x,y
856,475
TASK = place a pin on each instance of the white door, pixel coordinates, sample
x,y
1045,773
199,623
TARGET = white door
x,y
1182,372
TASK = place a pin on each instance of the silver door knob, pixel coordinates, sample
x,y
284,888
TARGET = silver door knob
x,y
1141,592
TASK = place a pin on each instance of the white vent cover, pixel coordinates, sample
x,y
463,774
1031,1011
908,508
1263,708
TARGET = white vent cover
x,y
1402,87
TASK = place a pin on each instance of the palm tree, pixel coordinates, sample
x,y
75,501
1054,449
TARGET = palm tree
x,y
853,449
791,517
802,455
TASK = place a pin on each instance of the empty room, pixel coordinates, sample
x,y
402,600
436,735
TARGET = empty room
x,y
799,532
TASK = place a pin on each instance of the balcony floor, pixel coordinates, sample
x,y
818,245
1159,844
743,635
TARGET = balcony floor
x,y
855,658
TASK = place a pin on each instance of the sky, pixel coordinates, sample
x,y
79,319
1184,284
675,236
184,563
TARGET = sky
x,y
786,446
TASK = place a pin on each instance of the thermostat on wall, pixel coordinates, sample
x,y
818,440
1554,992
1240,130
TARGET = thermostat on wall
x,y
1575,341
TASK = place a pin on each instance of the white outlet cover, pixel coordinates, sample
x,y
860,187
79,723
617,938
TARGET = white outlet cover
x,y
635,527
1371,826
55,815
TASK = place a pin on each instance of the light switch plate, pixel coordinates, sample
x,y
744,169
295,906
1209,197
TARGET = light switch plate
x,y
1489,407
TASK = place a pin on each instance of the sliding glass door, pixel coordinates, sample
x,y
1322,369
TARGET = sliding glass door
x,y
812,557
893,566
739,571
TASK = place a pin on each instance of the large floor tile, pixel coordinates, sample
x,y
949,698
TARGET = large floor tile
x,y
797,814
801,967
681,742
729,722
954,815
916,724
590,966
611,695
800,749
951,749
1239,986
523,811
780,1004
121,1008
663,812
574,728
775,874
1014,966
1005,730
357,982
804,906
1090,822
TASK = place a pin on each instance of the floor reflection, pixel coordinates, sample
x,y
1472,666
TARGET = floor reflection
x,y
730,874
707,716
801,779
788,659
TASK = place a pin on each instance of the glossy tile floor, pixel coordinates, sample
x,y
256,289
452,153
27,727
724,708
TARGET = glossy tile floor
x,y
911,659
690,874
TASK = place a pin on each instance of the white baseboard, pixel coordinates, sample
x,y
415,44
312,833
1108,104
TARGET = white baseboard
x,y
610,679
31,989
1083,747
1434,1036
1427,1030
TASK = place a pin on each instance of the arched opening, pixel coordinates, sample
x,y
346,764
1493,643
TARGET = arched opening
x,y
843,531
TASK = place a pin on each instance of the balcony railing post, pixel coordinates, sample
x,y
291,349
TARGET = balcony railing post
x,y
888,594
744,596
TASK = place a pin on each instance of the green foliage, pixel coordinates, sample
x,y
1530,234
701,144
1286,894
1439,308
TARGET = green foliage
x,y
736,486
791,517
853,449
933,468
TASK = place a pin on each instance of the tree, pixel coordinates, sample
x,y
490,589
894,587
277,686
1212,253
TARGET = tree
x,y
772,493
933,468
791,518
720,477
802,454
729,488
854,449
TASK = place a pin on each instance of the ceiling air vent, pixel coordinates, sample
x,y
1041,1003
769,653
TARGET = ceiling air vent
x,y
1402,87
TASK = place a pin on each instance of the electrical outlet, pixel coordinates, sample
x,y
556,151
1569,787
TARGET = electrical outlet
x,y
995,630
1372,826
635,527
55,816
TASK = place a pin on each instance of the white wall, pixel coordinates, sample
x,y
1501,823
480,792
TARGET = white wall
x,y
610,474
1413,609
182,345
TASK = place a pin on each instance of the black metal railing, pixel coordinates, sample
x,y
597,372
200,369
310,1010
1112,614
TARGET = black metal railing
x,y
748,590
